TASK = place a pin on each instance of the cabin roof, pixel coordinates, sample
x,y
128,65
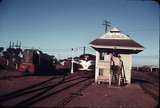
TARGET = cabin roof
x,y
115,39
116,42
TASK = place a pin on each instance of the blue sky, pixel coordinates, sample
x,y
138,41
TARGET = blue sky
x,y
63,24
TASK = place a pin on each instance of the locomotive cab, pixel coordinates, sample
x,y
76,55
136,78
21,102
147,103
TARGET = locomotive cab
x,y
87,62
30,61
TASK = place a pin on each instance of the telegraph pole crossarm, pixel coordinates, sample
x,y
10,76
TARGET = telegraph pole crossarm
x,y
106,24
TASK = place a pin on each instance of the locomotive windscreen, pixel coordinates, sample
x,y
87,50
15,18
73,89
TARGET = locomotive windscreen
x,y
87,57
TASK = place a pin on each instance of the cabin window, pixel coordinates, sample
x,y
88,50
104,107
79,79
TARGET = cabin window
x,y
102,54
101,71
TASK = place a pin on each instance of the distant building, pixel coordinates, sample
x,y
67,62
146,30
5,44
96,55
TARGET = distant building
x,y
111,42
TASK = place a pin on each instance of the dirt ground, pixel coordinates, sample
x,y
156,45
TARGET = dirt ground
x,y
76,90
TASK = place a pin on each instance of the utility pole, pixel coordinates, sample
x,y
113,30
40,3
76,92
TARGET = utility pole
x,y
20,44
16,44
10,44
106,24
84,49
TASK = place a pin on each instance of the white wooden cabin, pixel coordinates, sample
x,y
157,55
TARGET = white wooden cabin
x,y
114,41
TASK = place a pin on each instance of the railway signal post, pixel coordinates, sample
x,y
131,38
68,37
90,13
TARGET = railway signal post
x,y
72,63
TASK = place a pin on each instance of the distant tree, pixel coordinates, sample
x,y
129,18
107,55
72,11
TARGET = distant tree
x,y
6,55
1,49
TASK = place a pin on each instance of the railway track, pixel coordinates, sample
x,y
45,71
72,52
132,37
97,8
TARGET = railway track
x,y
151,90
42,90
25,90
13,76
31,88
71,96
149,82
